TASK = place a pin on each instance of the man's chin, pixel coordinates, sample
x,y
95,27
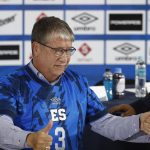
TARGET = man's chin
x,y
59,72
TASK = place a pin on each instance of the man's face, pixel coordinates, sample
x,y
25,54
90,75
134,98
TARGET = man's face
x,y
47,61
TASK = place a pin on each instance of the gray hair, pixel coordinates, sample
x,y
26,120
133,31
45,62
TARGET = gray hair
x,y
49,28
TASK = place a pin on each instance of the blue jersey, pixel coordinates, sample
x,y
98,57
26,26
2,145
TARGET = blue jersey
x,y
70,104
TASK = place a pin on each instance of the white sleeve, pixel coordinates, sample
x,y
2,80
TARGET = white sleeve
x,y
11,136
120,128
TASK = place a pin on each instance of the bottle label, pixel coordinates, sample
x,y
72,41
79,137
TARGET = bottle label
x,y
120,85
141,72
108,88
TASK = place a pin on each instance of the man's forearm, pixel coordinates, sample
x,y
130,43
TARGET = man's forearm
x,y
116,128
11,136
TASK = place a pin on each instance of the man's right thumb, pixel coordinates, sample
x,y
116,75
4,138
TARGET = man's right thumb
x,y
48,127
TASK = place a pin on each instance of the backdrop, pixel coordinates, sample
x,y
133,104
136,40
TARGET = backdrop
x,y
109,33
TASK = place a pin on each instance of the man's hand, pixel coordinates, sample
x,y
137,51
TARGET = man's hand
x,y
145,122
40,140
124,109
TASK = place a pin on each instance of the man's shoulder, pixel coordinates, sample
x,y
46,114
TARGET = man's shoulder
x,y
72,74
75,76
13,76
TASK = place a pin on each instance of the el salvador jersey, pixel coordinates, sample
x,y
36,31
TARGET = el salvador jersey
x,y
70,104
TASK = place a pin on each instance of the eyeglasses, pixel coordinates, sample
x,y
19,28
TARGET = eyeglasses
x,y
60,51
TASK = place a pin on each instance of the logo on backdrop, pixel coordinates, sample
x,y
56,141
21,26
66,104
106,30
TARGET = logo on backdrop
x,y
126,22
84,19
84,49
42,15
9,52
126,49
7,20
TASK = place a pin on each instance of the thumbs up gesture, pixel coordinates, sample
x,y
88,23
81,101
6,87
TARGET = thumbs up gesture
x,y
40,140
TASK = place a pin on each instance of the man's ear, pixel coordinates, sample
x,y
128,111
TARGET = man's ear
x,y
35,48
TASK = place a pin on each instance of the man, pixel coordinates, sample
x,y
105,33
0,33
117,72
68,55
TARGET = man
x,y
45,106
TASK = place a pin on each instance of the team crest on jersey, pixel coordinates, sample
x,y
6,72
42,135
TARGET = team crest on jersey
x,y
55,100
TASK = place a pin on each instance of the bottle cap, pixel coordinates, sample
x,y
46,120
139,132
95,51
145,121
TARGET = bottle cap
x,y
118,70
107,69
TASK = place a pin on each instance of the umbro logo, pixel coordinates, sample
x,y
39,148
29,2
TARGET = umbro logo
x,y
84,18
126,48
55,100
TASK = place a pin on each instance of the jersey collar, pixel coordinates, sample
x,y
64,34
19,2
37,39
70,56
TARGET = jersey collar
x,y
40,76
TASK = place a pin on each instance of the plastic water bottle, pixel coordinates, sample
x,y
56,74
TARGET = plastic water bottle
x,y
118,89
107,82
140,78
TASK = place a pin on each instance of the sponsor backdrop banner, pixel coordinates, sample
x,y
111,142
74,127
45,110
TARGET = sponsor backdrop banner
x,y
109,33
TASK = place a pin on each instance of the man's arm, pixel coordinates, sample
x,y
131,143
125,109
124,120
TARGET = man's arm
x,y
11,136
120,128
14,138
